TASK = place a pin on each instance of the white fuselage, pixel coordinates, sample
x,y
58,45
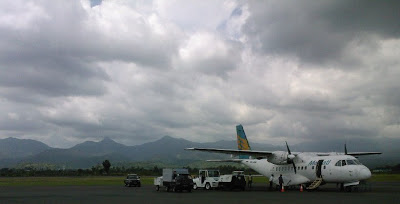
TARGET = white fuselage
x,y
310,166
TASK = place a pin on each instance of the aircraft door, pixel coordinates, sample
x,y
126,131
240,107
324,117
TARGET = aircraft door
x,y
319,168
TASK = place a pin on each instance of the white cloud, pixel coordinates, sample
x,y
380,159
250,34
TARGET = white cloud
x,y
207,53
21,15
13,116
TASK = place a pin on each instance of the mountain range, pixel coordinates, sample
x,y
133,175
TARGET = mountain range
x,y
19,153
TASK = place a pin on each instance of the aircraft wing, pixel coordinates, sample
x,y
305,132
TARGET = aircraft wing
x,y
253,153
363,153
226,160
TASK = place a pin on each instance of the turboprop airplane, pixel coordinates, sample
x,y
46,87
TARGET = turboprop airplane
x,y
309,168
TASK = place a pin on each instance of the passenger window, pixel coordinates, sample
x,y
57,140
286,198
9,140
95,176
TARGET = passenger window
x,y
301,168
298,168
312,167
343,163
305,168
324,167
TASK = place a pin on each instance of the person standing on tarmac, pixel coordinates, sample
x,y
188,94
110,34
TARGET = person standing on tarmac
x,y
250,181
174,175
271,180
280,182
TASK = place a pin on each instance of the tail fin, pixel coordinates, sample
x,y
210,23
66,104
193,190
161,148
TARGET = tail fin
x,y
242,142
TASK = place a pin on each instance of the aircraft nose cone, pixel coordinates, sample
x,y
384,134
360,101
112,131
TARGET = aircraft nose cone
x,y
365,173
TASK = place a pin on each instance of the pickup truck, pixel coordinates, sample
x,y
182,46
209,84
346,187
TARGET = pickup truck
x,y
132,180
176,180
232,181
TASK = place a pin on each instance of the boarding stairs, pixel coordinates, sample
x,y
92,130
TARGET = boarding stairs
x,y
315,184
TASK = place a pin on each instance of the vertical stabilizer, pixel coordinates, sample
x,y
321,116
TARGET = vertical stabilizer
x,y
242,142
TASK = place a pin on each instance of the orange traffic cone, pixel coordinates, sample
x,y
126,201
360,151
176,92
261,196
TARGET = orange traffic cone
x,y
283,189
301,188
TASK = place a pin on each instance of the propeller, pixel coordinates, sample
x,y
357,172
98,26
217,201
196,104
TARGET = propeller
x,y
290,158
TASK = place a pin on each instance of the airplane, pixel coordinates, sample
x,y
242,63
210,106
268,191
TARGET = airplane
x,y
311,169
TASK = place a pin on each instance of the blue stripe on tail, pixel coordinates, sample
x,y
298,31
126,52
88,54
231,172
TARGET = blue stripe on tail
x,y
243,143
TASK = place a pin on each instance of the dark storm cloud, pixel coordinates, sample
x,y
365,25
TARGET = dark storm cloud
x,y
53,55
319,31
54,76
39,58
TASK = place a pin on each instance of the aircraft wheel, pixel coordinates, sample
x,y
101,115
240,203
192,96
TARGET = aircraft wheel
x,y
157,188
194,186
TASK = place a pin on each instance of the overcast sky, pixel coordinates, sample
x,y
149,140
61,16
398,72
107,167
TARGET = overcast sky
x,y
134,71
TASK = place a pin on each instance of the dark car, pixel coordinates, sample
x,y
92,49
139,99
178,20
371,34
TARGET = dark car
x,y
132,180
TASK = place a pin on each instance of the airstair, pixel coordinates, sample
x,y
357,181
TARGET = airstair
x,y
315,184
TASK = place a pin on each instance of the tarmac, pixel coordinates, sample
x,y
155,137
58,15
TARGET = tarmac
x,y
379,192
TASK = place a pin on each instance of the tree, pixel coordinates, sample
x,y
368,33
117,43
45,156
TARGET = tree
x,y
106,166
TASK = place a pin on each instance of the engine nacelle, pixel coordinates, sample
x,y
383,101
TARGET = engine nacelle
x,y
278,158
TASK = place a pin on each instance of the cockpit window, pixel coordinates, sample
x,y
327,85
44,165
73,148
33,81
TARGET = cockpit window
x,y
353,162
339,163
348,162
